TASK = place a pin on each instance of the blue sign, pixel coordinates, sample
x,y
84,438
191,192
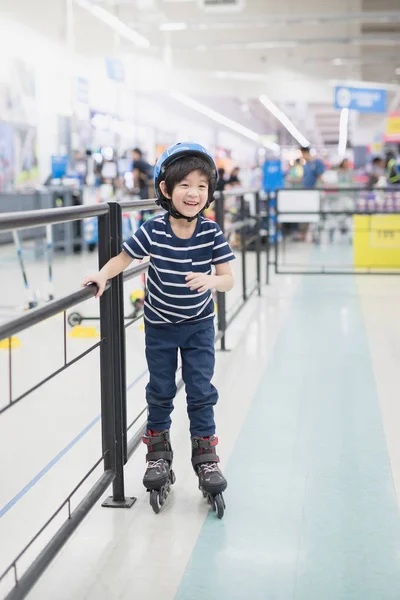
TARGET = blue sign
x,y
59,166
115,69
272,175
365,100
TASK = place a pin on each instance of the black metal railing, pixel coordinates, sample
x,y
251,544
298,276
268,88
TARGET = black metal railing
x,y
116,448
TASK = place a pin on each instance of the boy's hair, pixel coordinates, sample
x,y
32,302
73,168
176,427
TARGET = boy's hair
x,y
179,169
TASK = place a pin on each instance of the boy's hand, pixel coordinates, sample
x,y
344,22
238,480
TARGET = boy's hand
x,y
200,282
99,279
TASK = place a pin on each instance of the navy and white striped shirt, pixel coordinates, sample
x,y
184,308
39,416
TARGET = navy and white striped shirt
x,y
168,299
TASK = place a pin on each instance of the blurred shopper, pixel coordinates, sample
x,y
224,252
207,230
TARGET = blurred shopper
x,y
392,173
142,178
314,168
294,177
221,183
376,172
234,178
142,174
345,174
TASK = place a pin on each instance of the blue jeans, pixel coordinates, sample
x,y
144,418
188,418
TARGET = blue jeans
x,y
196,344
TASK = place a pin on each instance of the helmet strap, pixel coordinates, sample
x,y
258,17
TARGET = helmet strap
x,y
170,208
177,215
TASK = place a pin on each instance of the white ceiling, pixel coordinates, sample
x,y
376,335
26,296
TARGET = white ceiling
x,y
292,50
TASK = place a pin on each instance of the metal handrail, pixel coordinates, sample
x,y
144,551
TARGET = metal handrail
x,y
47,216
37,315
139,204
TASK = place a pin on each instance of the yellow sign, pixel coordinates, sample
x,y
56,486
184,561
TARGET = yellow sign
x,y
393,128
377,241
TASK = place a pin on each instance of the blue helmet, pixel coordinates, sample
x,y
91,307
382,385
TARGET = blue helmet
x,y
176,151
169,156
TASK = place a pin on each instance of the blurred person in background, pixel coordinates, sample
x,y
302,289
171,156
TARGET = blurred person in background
x,y
234,178
295,174
376,172
142,174
314,168
221,183
392,172
345,174
142,181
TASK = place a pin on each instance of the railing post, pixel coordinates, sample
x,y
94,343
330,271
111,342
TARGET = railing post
x,y
221,298
106,352
118,359
258,241
243,246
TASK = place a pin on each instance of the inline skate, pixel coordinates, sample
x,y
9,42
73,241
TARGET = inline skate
x,y
211,481
159,475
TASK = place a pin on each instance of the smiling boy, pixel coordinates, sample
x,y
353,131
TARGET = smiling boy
x,y
179,312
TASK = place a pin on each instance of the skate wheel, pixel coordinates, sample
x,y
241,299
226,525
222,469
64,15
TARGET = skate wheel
x,y
172,476
219,506
211,501
74,319
154,501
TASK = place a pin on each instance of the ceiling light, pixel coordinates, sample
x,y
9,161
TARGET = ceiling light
x,y
218,118
173,26
337,62
240,76
112,21
397,71
286,122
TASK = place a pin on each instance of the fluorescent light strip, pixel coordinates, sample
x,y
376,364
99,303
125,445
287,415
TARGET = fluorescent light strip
x,y
240,76
258,45
218,118
112,21
343,131
171,26
286,122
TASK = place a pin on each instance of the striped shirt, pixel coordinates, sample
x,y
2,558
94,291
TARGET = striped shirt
x,y
168,299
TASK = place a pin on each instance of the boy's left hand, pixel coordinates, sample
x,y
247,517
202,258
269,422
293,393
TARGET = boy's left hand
x,y
200,282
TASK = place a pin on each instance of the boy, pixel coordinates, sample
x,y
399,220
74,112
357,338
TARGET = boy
x,y
179,313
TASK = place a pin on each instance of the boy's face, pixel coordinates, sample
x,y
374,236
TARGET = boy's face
x,y
190,195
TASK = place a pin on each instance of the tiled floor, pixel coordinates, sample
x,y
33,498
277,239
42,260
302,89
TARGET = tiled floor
x,y
308,428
